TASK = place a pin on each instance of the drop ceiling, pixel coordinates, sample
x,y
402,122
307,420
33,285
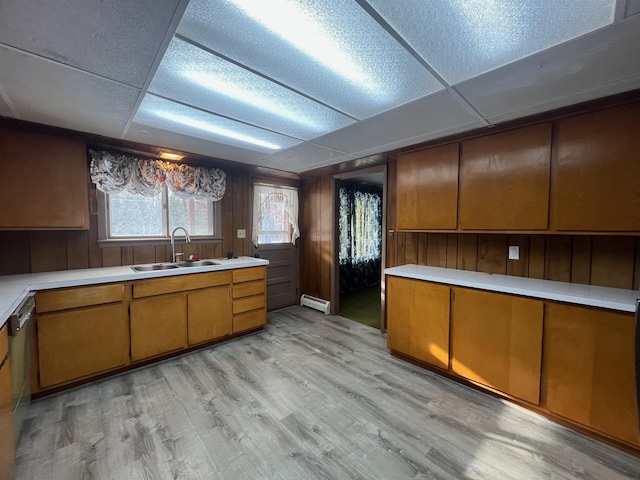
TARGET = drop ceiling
x,y
300,84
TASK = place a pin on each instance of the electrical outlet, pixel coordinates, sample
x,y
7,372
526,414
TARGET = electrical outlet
x,y
514,252
242,233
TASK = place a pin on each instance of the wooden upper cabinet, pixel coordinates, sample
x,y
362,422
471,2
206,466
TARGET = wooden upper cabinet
x,y
595,171
427,183
504,180
43,181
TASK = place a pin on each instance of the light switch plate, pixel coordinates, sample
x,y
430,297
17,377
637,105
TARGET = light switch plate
x,y
242,233
514,252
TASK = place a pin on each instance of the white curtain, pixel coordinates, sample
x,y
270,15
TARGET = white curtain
x,y
113,173
275,214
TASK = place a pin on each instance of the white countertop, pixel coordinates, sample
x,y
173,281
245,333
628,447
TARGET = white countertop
x,y
589,295
14,288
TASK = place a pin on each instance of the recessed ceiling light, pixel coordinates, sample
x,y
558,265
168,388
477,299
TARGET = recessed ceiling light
x,y
171,156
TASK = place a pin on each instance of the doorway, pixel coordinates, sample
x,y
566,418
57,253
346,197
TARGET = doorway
x,y
359,245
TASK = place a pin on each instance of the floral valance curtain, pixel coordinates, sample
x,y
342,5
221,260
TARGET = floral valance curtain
x,y
118,172
360,229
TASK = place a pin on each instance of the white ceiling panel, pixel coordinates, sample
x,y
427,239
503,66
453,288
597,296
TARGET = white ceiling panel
x,y
193,76
185,143
462,39
305,156
602,63
46,92
160,113
333,52
633,7
5,111
430,117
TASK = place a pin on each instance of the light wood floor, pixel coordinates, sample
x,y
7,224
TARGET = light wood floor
x,y
310,397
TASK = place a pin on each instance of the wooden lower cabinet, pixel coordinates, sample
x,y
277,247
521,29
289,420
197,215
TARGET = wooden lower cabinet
x,y
418,320
249,298
158,326
209,314
497,341
79,343
7,434
588,369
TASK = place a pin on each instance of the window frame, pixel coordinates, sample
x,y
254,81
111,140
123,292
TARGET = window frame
x,y
104,238
273,184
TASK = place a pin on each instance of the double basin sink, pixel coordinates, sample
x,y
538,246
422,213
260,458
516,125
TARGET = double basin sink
x,y
170,266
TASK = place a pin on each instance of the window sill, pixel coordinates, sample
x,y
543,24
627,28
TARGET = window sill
x,y
137,242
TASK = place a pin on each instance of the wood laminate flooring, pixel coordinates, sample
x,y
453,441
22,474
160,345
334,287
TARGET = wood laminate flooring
x,y
312,396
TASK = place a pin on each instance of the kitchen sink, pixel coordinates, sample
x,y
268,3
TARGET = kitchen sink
x,y
154,267
195,263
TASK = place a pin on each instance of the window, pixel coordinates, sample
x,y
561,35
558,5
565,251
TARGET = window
x,y
134,216
275,214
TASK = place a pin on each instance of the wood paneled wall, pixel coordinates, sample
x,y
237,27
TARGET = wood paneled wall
x,y
610,261
316,218
44,251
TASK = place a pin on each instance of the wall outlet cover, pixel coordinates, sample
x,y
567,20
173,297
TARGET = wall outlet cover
x,y
242,233
514,252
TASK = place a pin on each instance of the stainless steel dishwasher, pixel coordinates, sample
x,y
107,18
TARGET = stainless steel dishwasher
x,y
20,331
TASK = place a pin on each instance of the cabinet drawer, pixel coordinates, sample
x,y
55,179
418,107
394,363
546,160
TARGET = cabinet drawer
x,y
248,288
248,303
4,342
78,297
180,283
248,320
248,274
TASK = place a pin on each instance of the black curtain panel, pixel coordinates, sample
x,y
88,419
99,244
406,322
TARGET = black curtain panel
x,y
360,229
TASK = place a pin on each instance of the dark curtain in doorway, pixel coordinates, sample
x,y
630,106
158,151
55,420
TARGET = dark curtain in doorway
x,y
360,229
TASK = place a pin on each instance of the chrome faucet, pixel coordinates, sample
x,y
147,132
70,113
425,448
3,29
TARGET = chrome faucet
x,y
173,240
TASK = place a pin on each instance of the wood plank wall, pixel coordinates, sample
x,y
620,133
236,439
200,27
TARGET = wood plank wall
x,y
44,251
315,219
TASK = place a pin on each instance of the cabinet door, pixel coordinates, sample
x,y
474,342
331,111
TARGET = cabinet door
x,y
427,186
595,171
80,343
497,341
158,325
504,180
8,450
588,367
418,320
45,180
209,314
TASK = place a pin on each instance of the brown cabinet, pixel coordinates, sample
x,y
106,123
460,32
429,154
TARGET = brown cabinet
x,y
209,314
595,172
249,298
44,178
497,341
427,186
588,369
418,320
8,450
158,326
504,180
83,342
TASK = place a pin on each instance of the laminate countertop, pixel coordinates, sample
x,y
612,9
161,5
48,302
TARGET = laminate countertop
x,y
574,293
14,288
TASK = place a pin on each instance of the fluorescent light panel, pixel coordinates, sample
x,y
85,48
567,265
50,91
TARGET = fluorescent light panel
x,y
339,55
164,114
196,77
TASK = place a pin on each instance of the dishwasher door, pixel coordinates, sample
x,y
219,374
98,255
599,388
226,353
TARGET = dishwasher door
x,y
21,328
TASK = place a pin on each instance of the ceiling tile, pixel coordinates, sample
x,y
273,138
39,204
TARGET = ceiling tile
x,y
5,111
602,63
304,157
196,77
633,7
467,38
50,93
184,143
339,55
160,113
116,40
430,117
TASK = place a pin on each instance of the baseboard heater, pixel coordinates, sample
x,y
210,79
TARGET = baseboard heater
x,y
316,303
